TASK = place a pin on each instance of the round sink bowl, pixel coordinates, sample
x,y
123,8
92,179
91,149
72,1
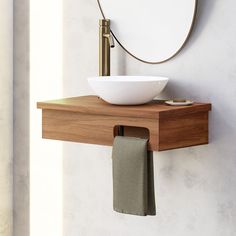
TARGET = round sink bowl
x,y
127,90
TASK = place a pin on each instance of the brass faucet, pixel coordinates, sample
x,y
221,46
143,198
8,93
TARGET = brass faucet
x,y
106,42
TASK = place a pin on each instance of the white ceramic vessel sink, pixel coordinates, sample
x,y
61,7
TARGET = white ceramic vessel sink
x,y
127,90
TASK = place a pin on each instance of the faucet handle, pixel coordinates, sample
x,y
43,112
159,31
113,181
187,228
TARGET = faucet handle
x,y
110,39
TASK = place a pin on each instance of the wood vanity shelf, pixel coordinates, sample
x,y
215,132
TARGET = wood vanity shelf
x,y
89,119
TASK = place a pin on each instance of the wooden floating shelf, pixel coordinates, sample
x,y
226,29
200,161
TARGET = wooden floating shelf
x,y
89,119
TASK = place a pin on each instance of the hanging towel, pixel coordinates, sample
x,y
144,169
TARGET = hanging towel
x,y
133,177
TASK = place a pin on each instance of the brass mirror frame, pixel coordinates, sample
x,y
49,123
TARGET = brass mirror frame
x,y
157,62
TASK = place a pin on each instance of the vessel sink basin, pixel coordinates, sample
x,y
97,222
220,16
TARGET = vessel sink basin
x,y
127,90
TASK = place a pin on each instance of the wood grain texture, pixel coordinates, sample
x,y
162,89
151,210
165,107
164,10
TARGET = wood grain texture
x,y
91,120
184,131
94,129
95,105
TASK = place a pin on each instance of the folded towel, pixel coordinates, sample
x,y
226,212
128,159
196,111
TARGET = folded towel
x,y
133,177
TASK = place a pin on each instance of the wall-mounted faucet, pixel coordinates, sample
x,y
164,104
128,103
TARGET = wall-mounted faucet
x,y
106,42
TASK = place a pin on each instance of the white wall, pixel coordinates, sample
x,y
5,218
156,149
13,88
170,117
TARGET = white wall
x,y
195,187
6,113
45,84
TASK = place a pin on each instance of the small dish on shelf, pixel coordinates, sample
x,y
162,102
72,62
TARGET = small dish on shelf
x,y
179,102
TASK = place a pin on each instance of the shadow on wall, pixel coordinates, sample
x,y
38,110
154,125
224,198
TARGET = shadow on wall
x,y
21,118
204,10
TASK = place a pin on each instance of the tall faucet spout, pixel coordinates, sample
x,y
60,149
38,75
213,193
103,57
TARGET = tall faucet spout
x,y
106,42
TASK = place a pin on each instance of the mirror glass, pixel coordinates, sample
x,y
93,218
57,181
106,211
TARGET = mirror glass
x,y
153,31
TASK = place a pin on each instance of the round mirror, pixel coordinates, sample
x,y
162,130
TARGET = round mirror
x,y
152,31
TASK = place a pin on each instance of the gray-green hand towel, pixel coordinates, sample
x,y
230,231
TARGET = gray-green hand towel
x,y
133,177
